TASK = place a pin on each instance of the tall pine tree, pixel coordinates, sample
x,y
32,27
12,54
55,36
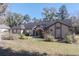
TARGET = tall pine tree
x,y
63,13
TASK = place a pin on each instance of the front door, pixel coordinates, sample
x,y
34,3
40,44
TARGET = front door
x,y
58,30
58,34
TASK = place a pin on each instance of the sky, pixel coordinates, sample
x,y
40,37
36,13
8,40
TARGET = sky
x,y
35,9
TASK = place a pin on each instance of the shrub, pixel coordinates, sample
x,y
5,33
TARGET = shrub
x,y
21,36
68,39
9,37
26,34
49,37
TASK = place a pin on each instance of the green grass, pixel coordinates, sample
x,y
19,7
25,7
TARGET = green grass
x,y
37,45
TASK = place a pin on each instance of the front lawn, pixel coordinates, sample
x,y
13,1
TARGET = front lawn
x,y
36,45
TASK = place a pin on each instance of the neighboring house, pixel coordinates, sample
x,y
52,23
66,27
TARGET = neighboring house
x,y
4,28
29,27
18,29
38,31
59,29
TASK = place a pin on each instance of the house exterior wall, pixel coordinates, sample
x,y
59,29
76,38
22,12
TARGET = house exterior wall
x,y
58,30
65,31
51,30
54,31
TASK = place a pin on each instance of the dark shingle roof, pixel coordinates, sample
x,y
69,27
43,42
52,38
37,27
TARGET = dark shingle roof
x,y
64,22
48,23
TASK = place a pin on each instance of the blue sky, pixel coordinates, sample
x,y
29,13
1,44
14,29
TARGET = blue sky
x,y
35,9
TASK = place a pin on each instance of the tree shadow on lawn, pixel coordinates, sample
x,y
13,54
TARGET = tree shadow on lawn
x,y
9,52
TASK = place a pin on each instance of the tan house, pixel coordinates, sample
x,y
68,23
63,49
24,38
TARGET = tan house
x,y
58,29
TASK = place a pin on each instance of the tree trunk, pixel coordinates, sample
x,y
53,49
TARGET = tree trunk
x,y
73,35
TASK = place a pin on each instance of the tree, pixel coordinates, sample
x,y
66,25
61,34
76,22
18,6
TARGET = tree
x,y
27,18
52,14
46,13
14,19
36,20
75,23
18,18
49,14
10,21
63,13
3,7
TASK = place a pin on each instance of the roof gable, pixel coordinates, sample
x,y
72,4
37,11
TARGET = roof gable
x,y
46,24
61,22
